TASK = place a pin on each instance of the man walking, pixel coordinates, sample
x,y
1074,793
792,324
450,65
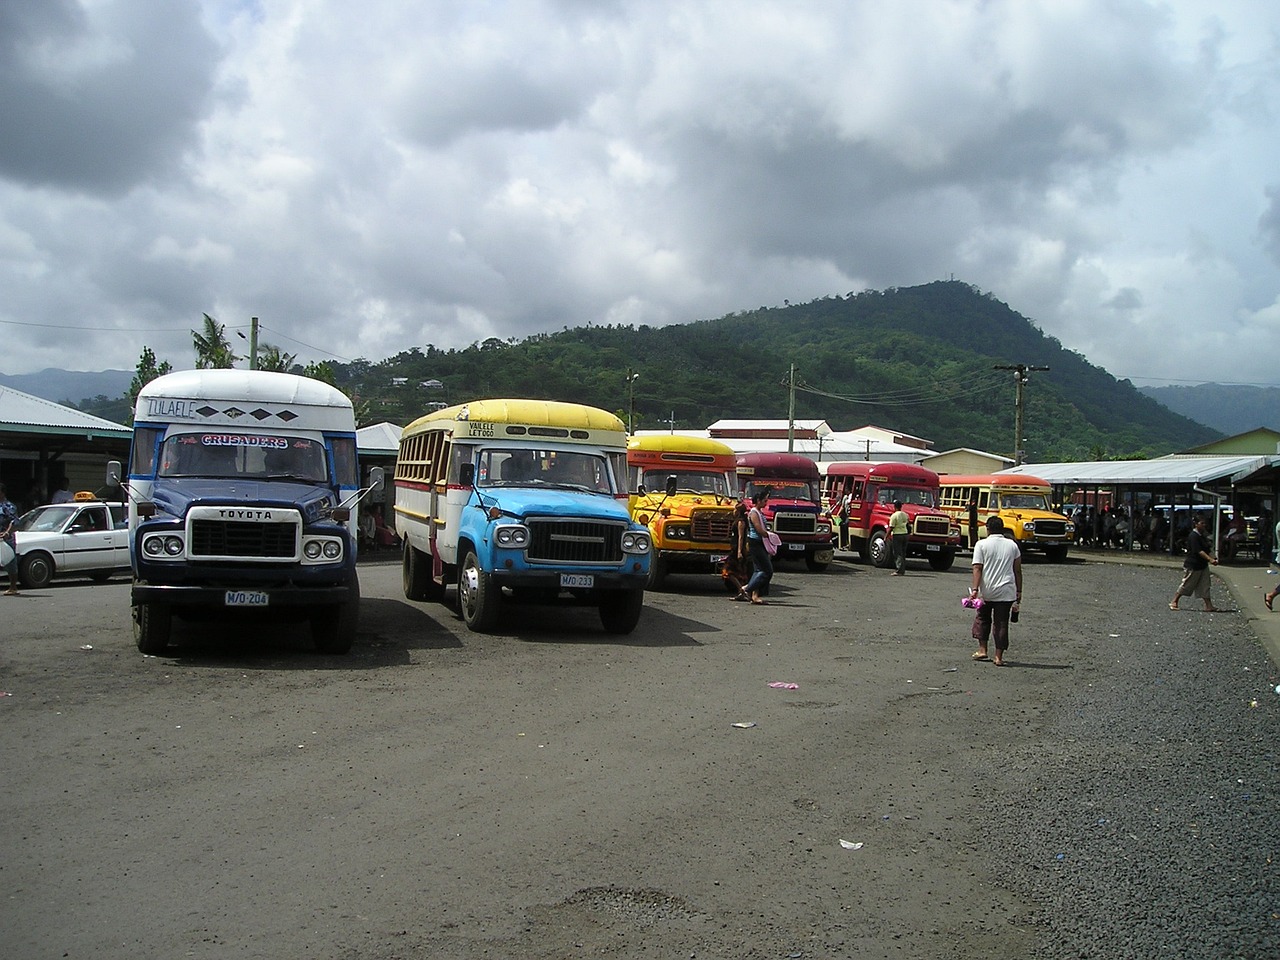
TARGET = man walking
x,y
997,582
1195,568
898,523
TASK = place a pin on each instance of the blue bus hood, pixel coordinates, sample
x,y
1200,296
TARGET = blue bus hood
x,y
175,496
524,502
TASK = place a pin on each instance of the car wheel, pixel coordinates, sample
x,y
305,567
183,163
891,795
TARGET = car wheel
x,y
152,627
878,547
478,599
942,561
620,610
333,629
36,570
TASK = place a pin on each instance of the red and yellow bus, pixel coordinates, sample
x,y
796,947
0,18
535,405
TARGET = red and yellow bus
x,y
868,492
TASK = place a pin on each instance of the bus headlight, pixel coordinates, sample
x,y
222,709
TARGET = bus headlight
x,y
321,550
512,536
162,547
635,541
676,531
823,529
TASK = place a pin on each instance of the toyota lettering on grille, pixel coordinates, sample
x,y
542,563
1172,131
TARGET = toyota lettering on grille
x,y
244,514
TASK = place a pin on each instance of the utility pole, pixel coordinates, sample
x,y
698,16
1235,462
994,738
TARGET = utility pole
x,y
253,343
631,401
1020,378
791,411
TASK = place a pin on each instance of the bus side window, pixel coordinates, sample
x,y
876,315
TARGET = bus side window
x,y
857,489
984,499
143,460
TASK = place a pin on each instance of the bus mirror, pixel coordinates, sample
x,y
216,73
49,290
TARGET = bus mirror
x,y
467,475
377,480
671,485
641,490
113,473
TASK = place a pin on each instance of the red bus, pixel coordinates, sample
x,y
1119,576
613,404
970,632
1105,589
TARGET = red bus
x,y
793,506
872,489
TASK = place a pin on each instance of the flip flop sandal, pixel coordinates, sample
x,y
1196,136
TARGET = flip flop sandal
x,y
1267,600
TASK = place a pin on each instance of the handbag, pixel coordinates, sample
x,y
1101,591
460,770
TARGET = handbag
x,y
772,542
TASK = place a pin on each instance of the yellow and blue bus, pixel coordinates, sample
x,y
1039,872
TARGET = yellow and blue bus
x,y
520,501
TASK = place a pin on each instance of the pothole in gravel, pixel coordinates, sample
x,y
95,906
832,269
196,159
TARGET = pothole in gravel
x,y
643,908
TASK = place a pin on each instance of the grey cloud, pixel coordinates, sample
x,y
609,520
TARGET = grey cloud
x,y
1269,223
104,102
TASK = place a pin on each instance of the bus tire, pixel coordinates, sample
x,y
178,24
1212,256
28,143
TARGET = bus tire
x,y
1056,554
943,560
478,599
333,629
657,572
415,570
152,627
878,548
620,610
814,564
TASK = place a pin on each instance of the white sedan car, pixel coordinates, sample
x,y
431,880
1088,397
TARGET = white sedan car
x,y
85,538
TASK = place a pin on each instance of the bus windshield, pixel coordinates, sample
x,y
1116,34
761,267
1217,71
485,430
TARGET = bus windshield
x,y
570,469
1025,501
655,481
244,456
922,496
783,489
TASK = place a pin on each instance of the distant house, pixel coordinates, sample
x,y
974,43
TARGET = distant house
x,y
399,381
431,385
1262,442
964,460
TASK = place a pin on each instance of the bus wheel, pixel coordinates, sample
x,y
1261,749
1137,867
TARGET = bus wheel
x,y
415,569
152,627
333,629
942,560
814,564
477,597
1056,554
620,610
657,572
878,547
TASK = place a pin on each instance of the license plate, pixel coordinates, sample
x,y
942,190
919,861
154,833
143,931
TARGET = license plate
x,y
573,580
933,546
247,598
796,547
719,557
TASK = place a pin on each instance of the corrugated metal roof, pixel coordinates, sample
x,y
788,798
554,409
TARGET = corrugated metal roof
x,y
23,413
1164,470
379,439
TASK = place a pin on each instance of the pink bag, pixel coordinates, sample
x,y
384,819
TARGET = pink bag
x,y
772,542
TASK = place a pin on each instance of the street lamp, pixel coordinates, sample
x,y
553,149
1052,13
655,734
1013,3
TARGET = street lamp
x,y
631,401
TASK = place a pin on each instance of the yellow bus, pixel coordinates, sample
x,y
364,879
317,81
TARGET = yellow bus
x,y
520,500
683,489
1020,500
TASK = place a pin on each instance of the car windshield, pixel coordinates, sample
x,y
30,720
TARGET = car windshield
x,y
782,489
44,519
921,496
1024,501
655,481
571,469
243,456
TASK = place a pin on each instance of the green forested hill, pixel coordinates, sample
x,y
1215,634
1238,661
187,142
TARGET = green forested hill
x,y
918,360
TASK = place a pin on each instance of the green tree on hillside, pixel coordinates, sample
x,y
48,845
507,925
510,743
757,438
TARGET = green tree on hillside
x,y
146,371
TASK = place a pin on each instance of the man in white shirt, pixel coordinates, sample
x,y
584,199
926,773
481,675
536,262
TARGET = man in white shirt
x,y
997,582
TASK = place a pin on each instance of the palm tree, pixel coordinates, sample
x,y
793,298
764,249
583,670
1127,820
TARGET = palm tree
x,y
213,349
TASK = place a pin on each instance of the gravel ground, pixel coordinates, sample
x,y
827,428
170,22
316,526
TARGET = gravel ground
x,y
549,792
1142,819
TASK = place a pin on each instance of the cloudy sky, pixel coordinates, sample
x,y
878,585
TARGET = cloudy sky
x,y
365,177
